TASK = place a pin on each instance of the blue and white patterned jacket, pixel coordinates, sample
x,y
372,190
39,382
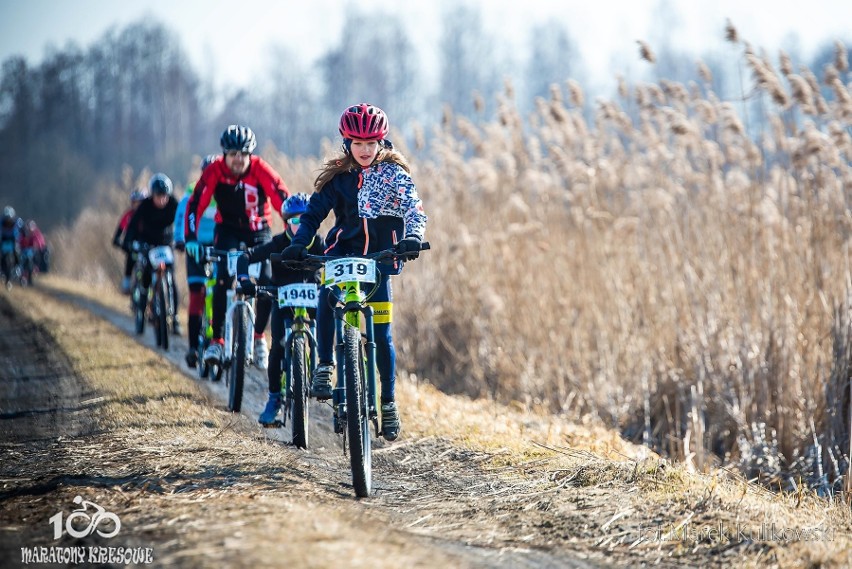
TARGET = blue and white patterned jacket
x,y
373,208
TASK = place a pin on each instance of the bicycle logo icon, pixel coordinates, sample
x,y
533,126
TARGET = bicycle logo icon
x,y
81,524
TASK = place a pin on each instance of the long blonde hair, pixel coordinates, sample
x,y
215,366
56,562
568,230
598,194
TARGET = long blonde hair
x,y
346,163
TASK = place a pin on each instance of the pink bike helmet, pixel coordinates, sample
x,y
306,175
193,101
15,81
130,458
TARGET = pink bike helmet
x,y
364,122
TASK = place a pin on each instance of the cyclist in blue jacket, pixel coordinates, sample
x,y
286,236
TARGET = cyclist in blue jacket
x,y
376,206
10,235
282,318
196,279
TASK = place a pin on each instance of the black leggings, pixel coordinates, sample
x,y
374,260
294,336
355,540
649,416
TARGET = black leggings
x,y
230,239
128,263
282,320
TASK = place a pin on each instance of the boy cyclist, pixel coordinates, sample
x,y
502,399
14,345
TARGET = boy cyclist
x,y
282,318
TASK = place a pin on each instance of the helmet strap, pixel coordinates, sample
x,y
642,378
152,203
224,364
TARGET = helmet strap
x,y
347,146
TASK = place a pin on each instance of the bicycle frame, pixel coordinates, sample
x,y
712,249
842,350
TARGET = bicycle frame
x,y
355,352
347,312
302,324
296,369
208,300
205,333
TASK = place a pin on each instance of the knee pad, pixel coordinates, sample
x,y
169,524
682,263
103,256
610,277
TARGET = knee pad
x,y
196,301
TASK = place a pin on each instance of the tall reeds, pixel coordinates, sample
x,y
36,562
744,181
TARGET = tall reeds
x,y
661,271
657,268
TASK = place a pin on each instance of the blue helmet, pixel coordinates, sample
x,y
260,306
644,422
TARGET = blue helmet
x,y
138,195
207,161
297,204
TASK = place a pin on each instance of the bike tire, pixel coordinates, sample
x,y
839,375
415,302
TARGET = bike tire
x,y
357,420
301,391
161,314
139,310
202,368
165,311
238,361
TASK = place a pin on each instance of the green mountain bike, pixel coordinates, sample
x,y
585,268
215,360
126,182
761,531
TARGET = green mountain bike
x,y
355,397
205,333
299,359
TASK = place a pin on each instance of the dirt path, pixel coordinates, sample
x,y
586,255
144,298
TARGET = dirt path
x,y
86,411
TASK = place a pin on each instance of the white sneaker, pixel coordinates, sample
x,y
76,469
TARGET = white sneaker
x,y
213,354
261,353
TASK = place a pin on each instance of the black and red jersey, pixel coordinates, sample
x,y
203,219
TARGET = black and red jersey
x,y
243,203
151,224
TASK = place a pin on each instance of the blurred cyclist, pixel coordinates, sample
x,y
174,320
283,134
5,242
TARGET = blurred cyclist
x,y
10,236
136,197
153,223
195,276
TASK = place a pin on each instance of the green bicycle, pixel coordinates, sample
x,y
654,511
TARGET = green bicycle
x,y
205,333
355,397
299,359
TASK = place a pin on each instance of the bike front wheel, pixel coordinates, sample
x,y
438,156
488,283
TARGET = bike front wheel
x,y
238,359
161,314
357,417
301,391
202,368
139,308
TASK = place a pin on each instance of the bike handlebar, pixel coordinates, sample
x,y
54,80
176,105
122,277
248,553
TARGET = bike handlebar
x,y
213,254
317,261
267,290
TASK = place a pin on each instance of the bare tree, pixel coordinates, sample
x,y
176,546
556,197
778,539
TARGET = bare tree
x,y
553,59
466,60
377,65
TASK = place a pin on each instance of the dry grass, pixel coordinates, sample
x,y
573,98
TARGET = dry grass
x,y
203,486
660,271
656,268
200,486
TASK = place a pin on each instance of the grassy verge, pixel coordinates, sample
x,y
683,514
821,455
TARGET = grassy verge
x,y
641,505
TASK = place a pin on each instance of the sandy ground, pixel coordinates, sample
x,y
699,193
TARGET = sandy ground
x,y
88,409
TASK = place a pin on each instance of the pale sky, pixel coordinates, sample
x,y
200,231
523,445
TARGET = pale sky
x,y
229,40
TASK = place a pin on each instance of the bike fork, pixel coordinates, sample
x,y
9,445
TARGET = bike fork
x,y
338,394
370,363
368,368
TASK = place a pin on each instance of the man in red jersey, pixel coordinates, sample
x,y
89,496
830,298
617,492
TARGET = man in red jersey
x,y
247,190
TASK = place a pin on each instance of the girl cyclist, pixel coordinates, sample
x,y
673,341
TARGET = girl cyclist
x,y
376,207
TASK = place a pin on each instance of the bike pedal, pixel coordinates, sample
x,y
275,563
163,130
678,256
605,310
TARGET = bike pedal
x,y
339,422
